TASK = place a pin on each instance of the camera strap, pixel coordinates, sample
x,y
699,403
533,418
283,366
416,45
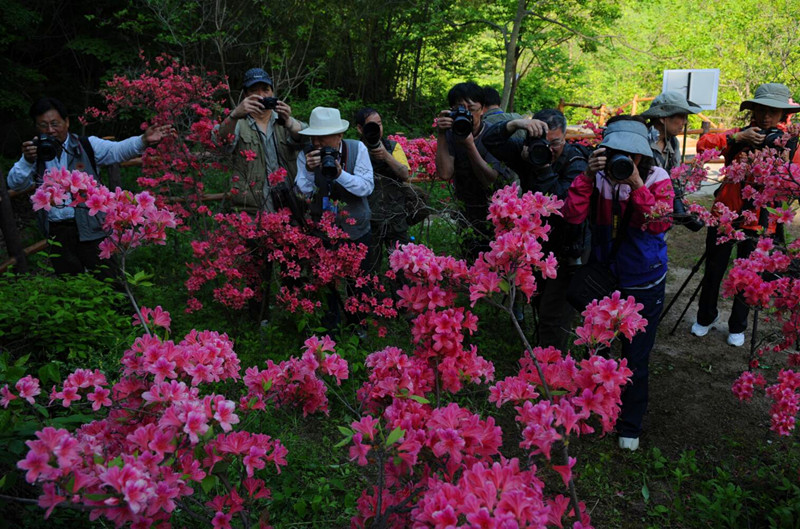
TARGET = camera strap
x,y
89,150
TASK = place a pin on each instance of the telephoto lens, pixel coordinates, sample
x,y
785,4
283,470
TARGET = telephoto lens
x,y
372,135
329,157
619,166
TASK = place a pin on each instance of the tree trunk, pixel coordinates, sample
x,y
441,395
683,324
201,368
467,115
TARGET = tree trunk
x,y
9,228
510,67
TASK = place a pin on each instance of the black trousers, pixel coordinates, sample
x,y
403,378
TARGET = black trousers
x,y
76,256
717,258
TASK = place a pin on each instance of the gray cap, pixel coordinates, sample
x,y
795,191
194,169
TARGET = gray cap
x,y
627,136
773,95
256,75
670,103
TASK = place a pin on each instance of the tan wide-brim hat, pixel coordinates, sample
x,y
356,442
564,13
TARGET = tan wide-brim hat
x,y
670,103
325,121
773,95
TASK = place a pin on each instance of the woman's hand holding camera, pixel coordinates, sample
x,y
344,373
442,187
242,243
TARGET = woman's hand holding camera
x,y
597,162
750,136
634,180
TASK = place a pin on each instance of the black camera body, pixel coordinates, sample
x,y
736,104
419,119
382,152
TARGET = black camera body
x,y
47,147
771,136
619,166
539,153
329,157
269,103
371,133
462,121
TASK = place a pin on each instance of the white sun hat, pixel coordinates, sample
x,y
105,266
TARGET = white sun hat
x,y
325,121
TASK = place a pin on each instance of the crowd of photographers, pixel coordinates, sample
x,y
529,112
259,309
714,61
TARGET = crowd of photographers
x,y
604,239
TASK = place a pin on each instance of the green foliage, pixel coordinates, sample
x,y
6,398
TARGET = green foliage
x,y
64,317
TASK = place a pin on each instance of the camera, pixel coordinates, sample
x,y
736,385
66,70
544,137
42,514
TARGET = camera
x,y
372,134
47,147
681,217
619,165
539,153
771,136
462,121
329,157
269,103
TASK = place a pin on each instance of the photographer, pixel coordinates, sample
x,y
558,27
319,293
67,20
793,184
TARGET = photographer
x,y
462,159
78,233
545,162
493,113
770,109
667,118
390,174
616,193
263,124
335,171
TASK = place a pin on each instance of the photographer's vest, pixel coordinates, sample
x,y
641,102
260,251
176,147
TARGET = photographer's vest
x,y
354,207
252,183
80,156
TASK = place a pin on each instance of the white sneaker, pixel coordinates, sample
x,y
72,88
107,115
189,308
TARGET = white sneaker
x,y
629,443
702,330
736,339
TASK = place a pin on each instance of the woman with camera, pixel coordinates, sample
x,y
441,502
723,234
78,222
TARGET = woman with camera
x,y
769,113
667,118
618,192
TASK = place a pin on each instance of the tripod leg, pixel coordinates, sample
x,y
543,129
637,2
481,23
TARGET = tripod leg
x,y
695,268
686,308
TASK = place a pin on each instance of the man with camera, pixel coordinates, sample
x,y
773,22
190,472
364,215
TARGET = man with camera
x,y
78,233
545,162
389,222
462,159
263,124
336,173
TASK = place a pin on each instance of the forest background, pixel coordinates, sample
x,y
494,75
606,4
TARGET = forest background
x,y
400,56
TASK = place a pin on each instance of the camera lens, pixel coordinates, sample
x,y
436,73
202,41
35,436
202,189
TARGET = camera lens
x,y
47,147
328,164
539,153
462,121
372,135
620,166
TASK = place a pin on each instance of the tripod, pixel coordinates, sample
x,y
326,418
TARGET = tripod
x,y
695,268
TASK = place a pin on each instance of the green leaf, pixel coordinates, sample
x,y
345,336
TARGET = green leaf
x,y
345,431
97,497
266,385
343,442
209,482
421,400
22,360
504,286
396,434
645,493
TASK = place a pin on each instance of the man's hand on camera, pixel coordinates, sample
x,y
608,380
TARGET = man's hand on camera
x,y
597,162
535,128
284,111
751,136
380,153
249,105
444,122
313,160
29,151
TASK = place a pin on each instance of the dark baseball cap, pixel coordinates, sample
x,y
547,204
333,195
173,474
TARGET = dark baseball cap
x,y
256,75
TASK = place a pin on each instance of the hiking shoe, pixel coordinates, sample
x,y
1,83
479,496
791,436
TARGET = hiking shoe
x,y
629,443
702,330
736,339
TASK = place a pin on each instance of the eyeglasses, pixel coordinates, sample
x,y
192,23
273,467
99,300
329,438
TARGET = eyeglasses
x,y
55,124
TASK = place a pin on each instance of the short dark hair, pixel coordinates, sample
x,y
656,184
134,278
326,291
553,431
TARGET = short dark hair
x,y
553,117
363,114
45,104
468,90
491,97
